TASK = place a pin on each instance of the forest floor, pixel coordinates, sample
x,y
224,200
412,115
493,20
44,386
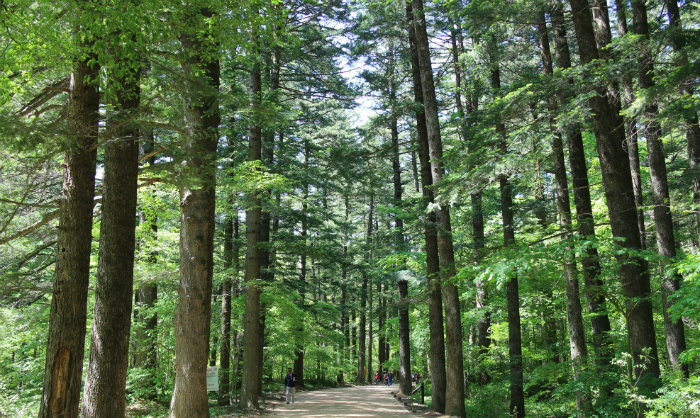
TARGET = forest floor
x,y
355,401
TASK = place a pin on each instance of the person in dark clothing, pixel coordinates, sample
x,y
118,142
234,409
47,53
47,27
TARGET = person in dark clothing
x,y
290,384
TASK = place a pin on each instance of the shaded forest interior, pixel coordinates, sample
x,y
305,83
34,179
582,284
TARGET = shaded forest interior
x,y
502,196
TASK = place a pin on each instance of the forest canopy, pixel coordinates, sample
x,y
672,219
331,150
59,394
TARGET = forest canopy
x,y
502,196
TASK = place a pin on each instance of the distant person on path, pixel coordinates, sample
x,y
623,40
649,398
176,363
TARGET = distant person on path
x,y
390,376
290,384
386,379
376,379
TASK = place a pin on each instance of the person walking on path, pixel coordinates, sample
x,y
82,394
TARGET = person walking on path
x,y
376,379
386,379
290,384
390,376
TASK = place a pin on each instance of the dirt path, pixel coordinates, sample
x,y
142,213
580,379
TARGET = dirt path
x,y
359,401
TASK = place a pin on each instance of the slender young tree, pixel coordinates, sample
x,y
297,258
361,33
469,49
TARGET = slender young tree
x,y
577,337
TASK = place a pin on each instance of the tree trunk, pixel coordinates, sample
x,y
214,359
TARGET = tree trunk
x,y
192,317
665,241
600,322
65,345
250,383
577,338
105,386
435,317
144,350
230,261
454,394
619,194
517,395
690,115
361,352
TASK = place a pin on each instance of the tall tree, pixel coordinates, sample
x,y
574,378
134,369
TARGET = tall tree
x,y
250,384
577,337
65,347
619,195
600,322
435,320
454,394
105,386
665,241
192,319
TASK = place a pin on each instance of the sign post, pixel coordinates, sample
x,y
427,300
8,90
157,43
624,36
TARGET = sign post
x,y
213,379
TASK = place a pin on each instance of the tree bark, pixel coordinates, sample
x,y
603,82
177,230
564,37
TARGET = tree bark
x,y
230,261
65,345
600,322
250,383
690,115
104,395
665,241
577,337
435,316
192,317
619,194
361,351
454,394
517,394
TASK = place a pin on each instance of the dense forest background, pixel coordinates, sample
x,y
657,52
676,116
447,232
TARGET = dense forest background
x,y
503,196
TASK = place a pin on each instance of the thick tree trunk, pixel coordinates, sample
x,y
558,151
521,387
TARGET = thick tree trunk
x,y
250,380
65,347
665,241
600,322
435,317
454,394
619,194
577,337
105,387
192,317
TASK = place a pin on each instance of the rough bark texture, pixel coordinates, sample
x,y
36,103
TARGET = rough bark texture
x,y
600,323
619,194
665,241
454,394
250,383
577,337
66,337
435,320
192,317
104,395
